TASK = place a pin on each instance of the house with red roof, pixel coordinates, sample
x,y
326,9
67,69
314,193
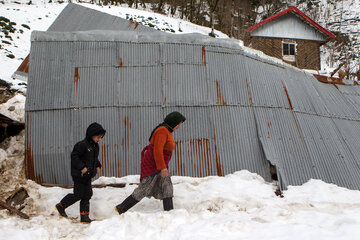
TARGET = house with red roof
x,y
291,36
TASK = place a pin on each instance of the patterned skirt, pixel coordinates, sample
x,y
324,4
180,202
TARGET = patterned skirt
x,y
154,186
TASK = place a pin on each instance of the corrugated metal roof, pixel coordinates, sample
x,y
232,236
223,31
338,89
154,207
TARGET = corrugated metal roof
x,y
242,111
75,17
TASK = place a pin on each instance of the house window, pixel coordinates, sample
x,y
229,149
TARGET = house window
x,y
289,50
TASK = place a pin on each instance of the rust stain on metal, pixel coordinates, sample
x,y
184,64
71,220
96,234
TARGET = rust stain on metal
x,y
116,160
107,160
125,141
191,157
132,23
76,78
201,148
179,167
164,100
217,158
295,121
269,128
103,160
121,63
193,150
248,92
203,55
219,98
327,79
38,178
198,155
24,66
208,157
287,95
29,161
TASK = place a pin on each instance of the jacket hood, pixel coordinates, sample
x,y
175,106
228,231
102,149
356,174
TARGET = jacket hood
x,y
94,129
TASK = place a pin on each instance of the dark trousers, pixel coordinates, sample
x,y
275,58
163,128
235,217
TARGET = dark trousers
x,y
82,192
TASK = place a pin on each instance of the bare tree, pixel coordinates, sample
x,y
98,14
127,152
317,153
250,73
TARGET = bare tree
x,y
212,8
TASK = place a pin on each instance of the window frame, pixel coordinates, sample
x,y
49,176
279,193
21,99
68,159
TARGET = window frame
x,y
289,48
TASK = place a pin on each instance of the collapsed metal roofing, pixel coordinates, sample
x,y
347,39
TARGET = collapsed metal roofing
x,y
243,111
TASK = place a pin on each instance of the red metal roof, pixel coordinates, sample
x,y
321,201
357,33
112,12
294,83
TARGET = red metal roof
x,y
289,10
24,67
328,79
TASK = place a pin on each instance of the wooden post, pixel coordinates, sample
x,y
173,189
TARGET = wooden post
x,y
14,210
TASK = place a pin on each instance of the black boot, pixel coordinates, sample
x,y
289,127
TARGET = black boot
x,y
84,218
61,210
168,204
128,203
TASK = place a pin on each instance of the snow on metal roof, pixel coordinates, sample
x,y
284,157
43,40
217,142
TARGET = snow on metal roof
x,y
243,111
75,17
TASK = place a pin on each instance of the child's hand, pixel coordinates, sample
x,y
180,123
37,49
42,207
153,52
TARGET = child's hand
x,y
97,170
84,170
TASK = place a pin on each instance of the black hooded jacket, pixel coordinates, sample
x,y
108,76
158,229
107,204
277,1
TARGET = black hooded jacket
x,y
85,154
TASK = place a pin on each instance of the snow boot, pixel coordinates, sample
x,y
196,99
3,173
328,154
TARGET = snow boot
x,y
84,218
128,203
61,210
168,204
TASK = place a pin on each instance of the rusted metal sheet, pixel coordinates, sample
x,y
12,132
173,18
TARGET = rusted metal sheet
x,y
327,79
185,85
243,111
75,17
226,84
307,99
29,161
332,154
266,87
53,78
283,145
335,103
48,146
24,66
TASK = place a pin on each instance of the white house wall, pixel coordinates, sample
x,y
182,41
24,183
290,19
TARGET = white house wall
x,y
288,26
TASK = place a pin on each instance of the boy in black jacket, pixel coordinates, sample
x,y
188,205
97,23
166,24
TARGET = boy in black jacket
x,y
84,166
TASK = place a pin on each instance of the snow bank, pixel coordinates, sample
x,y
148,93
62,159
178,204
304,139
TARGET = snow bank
x,y
238,206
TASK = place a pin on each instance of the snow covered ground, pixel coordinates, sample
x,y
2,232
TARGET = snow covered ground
x,y
238,206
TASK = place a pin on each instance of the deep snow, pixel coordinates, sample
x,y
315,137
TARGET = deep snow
x,y
238,206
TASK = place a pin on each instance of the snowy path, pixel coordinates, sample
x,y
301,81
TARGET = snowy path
x,y
238,206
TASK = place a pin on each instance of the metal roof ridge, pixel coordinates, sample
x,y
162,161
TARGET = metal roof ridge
x,y
289,10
